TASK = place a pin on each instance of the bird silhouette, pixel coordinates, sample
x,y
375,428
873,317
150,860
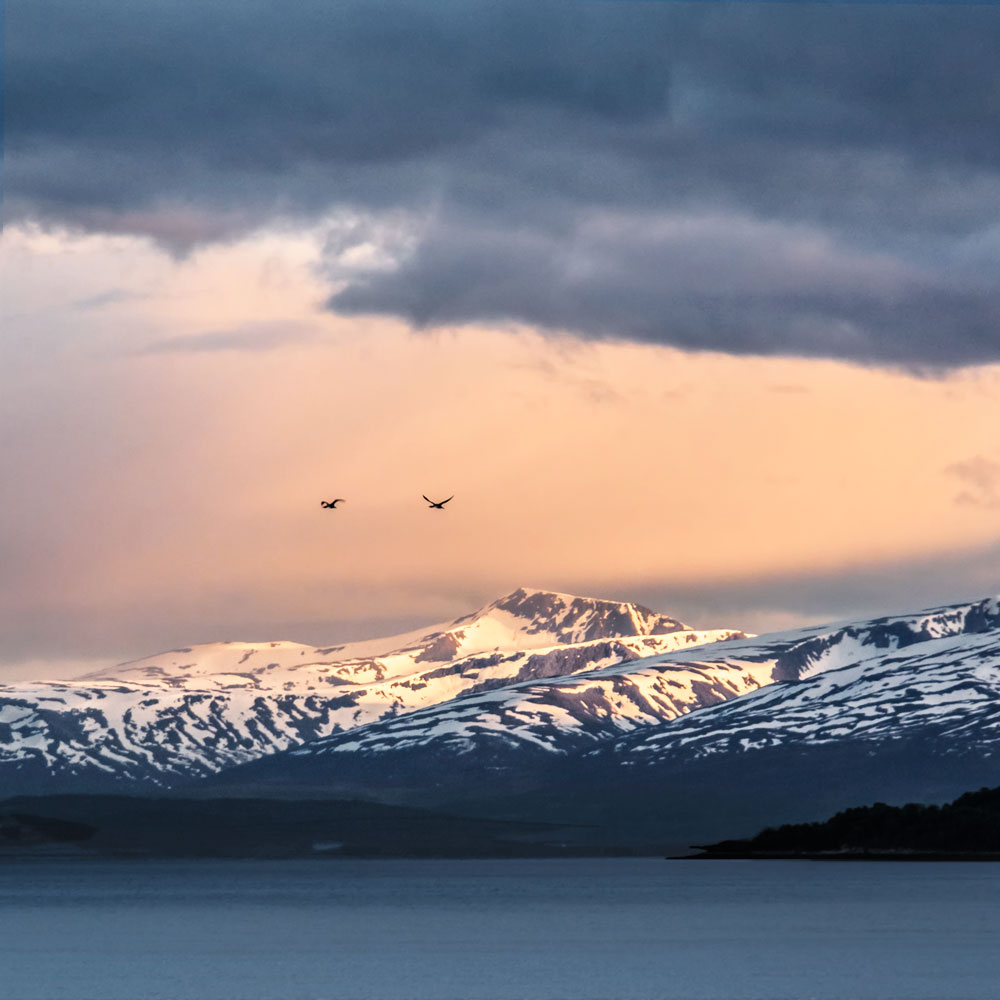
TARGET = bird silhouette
x,y
438,506
331,504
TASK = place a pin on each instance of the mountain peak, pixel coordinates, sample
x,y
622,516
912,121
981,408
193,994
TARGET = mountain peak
x,y
577,619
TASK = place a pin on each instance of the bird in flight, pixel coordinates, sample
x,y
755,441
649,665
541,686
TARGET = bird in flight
x,y
331,504
438,506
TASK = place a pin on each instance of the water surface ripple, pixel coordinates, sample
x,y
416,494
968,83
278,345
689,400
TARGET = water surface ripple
x,y
616,929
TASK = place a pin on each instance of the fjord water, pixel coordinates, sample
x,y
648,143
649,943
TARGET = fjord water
x,y
615,929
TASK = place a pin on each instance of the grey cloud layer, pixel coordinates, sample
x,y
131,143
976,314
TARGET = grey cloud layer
x,y
894,587
768,179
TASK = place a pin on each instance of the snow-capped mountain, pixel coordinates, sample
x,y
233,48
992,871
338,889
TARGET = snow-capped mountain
x,y
916,722
194,711
884,679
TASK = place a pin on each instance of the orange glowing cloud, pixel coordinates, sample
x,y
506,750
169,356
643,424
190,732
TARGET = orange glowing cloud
x,y
166,460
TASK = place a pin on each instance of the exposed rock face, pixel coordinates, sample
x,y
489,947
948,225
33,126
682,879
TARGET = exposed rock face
x,y
580,619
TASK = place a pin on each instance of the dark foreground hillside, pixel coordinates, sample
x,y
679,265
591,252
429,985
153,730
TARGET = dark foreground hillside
x,y
968,828
122,826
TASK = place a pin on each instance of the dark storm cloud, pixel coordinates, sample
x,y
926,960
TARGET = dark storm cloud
x,y
819,180
723,284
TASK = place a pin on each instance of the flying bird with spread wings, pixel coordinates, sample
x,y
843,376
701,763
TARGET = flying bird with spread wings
x,y
331,504
438,506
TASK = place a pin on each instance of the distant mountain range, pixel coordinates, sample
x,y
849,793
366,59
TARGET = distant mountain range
x,y
543,707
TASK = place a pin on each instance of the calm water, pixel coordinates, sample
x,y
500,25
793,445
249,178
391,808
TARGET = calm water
x,y
498,930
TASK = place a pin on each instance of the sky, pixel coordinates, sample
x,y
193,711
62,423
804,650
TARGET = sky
x,y
691,304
